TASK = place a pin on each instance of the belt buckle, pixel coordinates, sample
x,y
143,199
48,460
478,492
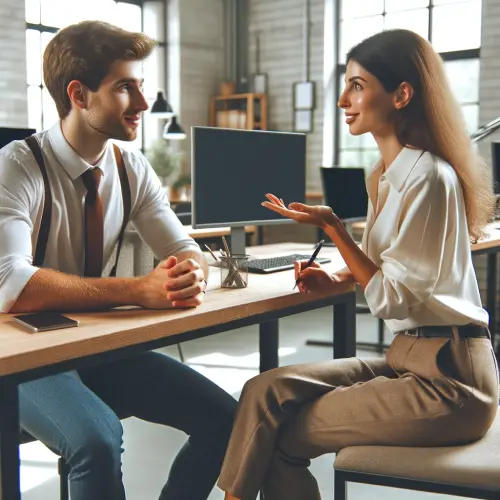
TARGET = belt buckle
x,y
412,333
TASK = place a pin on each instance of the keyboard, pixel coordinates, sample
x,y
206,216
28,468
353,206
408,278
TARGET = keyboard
x,y
280,263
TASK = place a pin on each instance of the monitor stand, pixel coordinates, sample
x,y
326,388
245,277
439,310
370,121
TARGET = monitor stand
x,y
238,237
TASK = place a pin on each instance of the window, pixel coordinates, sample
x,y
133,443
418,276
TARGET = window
x,y
45,17
454,29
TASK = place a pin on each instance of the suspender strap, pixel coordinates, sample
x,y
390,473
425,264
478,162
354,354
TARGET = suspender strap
x,y
127,202
43,235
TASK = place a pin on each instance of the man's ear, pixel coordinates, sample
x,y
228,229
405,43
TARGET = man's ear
x,y
403,95
78,94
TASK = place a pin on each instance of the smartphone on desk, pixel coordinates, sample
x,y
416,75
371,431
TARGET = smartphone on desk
x,y
44,321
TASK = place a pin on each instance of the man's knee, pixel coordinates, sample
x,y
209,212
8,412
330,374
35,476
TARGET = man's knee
x,y
97,444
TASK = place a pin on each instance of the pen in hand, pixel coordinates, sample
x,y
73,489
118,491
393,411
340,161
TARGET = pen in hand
x,y
311,260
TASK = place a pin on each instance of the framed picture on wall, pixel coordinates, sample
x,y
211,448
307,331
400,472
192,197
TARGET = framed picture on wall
x,y
260,83
304,95
303,120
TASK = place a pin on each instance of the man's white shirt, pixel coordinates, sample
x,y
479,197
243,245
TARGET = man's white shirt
x,y
21,205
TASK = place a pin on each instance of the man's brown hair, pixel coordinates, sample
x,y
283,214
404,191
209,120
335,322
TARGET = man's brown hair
x,y
85,52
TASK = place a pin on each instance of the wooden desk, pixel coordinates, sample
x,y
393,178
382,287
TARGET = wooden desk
x,y
106,336
142,252
209,233
217,232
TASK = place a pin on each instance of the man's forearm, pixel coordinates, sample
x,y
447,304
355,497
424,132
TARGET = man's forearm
x,y
48,290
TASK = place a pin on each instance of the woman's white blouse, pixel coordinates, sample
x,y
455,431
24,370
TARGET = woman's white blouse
x,y
417,234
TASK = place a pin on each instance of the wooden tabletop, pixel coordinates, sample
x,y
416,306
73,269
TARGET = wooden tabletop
x,y
492,239
214,232
104,331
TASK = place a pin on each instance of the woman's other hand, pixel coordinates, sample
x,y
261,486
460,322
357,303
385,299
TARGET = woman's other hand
x,y
316,279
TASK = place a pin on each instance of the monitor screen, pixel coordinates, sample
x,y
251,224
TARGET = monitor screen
x,y
232,170
345,192
495,161
8,135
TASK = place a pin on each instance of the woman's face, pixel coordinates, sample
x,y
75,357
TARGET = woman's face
x,y
367,106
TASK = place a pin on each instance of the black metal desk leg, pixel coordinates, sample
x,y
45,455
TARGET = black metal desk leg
x,y
268,345
344,328
491,294
9,442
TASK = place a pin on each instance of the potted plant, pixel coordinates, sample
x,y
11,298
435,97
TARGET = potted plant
x,y
181,188
165,161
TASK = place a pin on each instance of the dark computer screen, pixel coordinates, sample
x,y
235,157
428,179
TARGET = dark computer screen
x,y
345,191
232,170
495,160
8,134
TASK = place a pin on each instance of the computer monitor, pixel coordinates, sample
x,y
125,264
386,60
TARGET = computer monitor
x,y
495,161
8,134
344,189
232,170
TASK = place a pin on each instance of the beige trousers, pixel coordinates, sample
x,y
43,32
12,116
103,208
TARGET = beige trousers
x,y
426,392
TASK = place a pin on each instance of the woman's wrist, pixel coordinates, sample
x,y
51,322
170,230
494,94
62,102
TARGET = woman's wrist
x,y
333,225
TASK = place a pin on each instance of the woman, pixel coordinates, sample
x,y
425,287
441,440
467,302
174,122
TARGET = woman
x,y
429,194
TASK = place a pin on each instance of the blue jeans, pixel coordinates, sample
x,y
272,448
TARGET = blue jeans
x,y
75,414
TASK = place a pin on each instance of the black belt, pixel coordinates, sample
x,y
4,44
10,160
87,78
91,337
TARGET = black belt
x,y
464,331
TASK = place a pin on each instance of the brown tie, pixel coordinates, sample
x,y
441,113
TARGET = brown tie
x,y
94,225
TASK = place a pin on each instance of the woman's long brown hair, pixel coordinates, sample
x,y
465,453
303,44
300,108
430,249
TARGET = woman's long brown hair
x,y
433,120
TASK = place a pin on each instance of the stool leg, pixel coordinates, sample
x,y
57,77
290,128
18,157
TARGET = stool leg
x,y
63,479
181,354
339,486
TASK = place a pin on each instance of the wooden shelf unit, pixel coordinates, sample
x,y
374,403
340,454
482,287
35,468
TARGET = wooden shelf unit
x,y
242,111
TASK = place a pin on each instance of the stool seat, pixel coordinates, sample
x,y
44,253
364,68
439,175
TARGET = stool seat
x,y
472,465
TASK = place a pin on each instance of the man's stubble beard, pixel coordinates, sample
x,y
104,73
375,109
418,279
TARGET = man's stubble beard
x,y
97,122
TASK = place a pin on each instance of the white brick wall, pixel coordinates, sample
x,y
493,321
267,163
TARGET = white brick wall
x,y
280,25
13,105
196,61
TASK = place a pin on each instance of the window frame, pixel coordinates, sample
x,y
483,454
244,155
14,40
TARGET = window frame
x,y
457,55
42,28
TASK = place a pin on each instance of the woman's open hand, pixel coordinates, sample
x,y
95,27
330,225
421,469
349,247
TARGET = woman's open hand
x,y
316,215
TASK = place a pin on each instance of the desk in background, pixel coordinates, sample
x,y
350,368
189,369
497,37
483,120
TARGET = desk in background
x,y
142,256
106,336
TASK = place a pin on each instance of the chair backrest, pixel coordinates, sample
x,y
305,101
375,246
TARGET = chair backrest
x,y
344,190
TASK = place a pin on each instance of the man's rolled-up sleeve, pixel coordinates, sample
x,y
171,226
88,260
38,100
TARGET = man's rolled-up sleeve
x,y
156,222
410,267
17,199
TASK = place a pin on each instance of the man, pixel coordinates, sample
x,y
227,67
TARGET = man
x,y
93,72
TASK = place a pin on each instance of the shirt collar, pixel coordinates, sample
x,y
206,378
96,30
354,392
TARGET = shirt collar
x,y
401,167
399,170
71,161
